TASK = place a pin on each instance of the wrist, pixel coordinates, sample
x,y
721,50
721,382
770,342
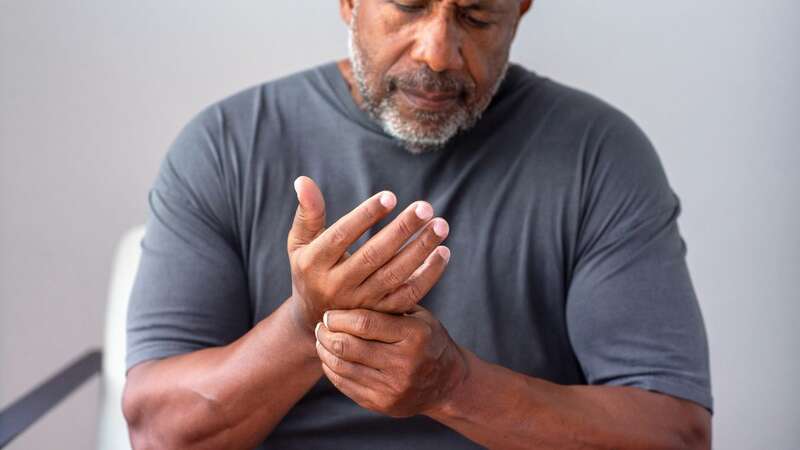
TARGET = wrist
x,y
303,317
456,385
301,327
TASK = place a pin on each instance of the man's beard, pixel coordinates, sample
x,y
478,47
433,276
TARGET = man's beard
x,y
428,130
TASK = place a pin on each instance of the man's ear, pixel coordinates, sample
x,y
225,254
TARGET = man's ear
x,y
524,6
346,10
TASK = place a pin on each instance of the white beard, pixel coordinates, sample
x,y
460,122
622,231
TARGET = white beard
x,y
413,136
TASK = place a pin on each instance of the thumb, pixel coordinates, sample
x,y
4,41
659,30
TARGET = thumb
x,y
309,220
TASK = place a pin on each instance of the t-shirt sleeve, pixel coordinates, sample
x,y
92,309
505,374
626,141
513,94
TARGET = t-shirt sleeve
x,y
632,313
190,290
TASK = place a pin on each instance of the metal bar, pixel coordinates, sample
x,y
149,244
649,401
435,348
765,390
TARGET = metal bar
x,y
21,414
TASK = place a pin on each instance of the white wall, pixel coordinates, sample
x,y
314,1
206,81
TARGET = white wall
x,y
92,92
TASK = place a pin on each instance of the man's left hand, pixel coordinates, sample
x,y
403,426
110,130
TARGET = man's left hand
x,y
398,365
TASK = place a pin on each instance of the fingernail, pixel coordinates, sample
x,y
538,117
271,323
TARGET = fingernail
x,y
388,200
424,211
325,319
441,228
297,186
316,329
444,252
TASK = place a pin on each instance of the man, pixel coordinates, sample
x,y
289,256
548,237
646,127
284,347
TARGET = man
x,y
565,317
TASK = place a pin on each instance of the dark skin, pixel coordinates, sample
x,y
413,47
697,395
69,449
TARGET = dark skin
x,y
248,386
407,365
377,346
469,38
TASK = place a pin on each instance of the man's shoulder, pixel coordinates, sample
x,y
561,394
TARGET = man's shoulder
x,y
546,99
276,108
231,128
308,85
561,126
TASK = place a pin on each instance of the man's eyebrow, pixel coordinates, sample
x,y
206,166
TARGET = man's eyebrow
x,y
482,5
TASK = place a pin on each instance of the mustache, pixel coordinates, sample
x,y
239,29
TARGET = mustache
x,y
427,80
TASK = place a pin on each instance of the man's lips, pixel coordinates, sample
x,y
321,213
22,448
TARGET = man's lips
x,y
430,101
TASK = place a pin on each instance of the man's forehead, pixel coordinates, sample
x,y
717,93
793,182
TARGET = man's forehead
x,y
487,5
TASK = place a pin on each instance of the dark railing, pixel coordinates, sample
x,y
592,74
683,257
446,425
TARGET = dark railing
x,y
21,414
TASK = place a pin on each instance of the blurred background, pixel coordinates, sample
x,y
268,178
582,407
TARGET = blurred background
x,y
92,92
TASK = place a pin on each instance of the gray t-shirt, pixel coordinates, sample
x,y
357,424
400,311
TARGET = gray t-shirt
x,y
567,262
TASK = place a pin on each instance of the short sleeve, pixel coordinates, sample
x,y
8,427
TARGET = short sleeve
x,y
190,290
632,314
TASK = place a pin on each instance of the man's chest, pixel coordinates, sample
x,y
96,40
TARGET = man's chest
x,y
502,294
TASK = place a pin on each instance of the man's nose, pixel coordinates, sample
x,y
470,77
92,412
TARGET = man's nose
x,y
438,45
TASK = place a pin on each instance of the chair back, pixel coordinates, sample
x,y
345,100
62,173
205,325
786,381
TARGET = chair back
x,y
112,429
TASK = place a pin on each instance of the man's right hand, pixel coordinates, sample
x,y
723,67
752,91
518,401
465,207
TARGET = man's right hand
x,y
379,275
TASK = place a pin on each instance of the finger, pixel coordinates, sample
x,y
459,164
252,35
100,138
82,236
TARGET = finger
x,y
367,324
404,264
309,219
357,392
354,349
405,298
328,248
363,375
384,245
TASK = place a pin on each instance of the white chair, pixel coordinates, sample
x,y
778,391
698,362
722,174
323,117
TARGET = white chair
x,y
112,429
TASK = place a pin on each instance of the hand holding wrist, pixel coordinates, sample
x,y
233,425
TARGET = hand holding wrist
x,y
455,385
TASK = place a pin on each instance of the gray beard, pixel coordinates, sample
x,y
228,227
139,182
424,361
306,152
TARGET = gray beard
x,y
439,127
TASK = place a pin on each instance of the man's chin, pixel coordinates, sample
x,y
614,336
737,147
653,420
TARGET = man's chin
x,y
425,133
422,140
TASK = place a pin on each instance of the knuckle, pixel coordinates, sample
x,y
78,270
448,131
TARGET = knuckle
x,y
414,292
303,262
426,332
361,298
309,219
338,236
427,240
401,384
335,283
328,296
363,323
315,218
338,346
329,290
389,277
369,256
337,364
420,336
368,212
404,298
405,228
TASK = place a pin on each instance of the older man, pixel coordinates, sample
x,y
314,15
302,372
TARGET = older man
x,y
565,317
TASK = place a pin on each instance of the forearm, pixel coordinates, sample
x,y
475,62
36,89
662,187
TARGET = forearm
x,y
499,408
225,397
